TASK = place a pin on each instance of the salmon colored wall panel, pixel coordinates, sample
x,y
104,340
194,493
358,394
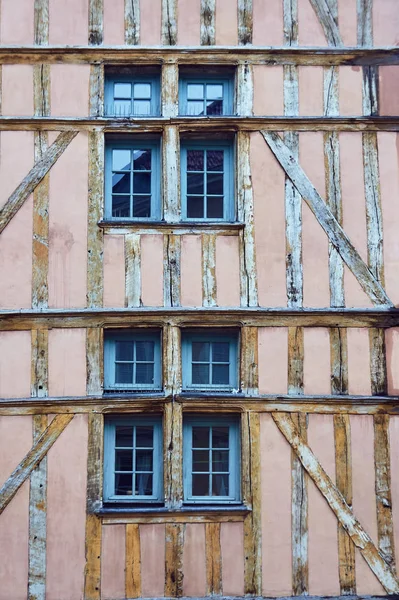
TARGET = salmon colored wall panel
x,y
67,362
194,567
347,21
273,359
323,542
150,22
268,23
12,172
66,512
152,548
114,271
392,349
311,91
268,90
114,22
268,187
15,442
358,361
226,28
310,32
15,364
316,376
364,502
350,82
191,270
394,446
316,290
232,549
152,270
17,90
385,23
113,562
68,226
17,22
389,90
188,23
388,149
276,509
227,271
70,90
68,22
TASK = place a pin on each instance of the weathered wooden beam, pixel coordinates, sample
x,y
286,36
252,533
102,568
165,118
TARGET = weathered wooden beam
x,y
132,270
132,561
41,22
209,295
94,362
299,516
328,22
32,459
174,541
365,22
132,22
173,435
172,265
207,27
39,363
245,90
339,360
213,559
40,243
96,22
245,22
225,515
249,361
169,23
171,174
95,241
337,503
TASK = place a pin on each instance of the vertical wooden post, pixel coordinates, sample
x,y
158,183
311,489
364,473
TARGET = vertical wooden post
x,y
94,360
208,16
172,267
96,24
133,561
132,22
213,559
132,270
245,22
169,23
174,542
249,361
209,297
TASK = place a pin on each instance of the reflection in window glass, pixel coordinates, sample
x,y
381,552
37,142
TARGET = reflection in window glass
x,y
205,188
134,466
131,183
205,99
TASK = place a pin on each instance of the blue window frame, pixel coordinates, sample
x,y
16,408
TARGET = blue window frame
x,y
207,181
210,361
132,361
211,460
133,465
205,97
132,180
132,96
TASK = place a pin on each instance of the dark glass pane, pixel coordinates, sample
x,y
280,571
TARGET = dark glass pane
x,y
220,485
124,350
200,351
145,373
200,485
214,108
122,90
200,374
214,207
142,183
195,91
214,184
220,460
141,107
123,460
120,160
144,436
145,351
122,108
214,91
195,108
195,183
220,374
141,206
220,437
200,437
220,352
123,373
143,460
142,160
123,484
195,207
124,437
142,90
214,160
195,160
120,206
144,484
201,460
121,183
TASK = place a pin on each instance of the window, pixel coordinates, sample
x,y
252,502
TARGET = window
x,y
131,95
209,361
212,96
207,181
132,361
211,462
132,180
133,459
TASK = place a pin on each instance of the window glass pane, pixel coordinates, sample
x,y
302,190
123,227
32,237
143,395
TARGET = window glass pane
x,y
123,484
144,460
122,108
141,206
122,90
214,207
214,184
220,352
200,437
124,437
143,484
220,485
195,183
123,350
195,160
214,160
144,437
220,375
201,351
195,108
200,485
195,207
214,91
142,90
145,350
141,107
142,160
142,183
145,373
120,160
201,460
121,183
195,91
220,461
123,460
120,206
214,107
123,373
220,437
200,374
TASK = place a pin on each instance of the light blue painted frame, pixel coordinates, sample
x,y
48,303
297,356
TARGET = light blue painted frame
x,y
228,94
155,103
234,496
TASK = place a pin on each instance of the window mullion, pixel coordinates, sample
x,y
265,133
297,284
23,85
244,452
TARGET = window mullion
x,y
131,182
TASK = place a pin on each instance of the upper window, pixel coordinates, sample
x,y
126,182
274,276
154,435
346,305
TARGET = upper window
x,y
131,95
132,179
206,97
207,181
209,361
132,361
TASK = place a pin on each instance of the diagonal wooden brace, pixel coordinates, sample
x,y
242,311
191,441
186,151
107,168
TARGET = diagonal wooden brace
x,y
327,21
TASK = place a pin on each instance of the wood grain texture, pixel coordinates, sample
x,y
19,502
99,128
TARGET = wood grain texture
x,y
208,260
172,270
33,458
132,270
328,22
170,92
245,90
41,22
95,241
96,90
132,22
249,361
173,439
94,362
171,174
207,19
375,247
169,23
295,360
171,347
174,541
40,243
245,22
213,559
39,363
177,517
96,22
339,360
92,580
364,22
299,516
133,561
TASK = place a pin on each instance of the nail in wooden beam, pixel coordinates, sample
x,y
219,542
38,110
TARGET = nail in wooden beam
x,y
39,363
96,24
208,269
245,22
174,541
133,561
132,22
132,270
328,21
337,503
213,559
169,23
41,22
172,262
249,361
94,349
33,458
208,16
173,432
92,582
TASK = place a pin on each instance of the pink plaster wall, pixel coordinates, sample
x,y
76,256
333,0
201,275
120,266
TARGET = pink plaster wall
x,y
323,542
273,359
347,21
227,271
358,361
114,271
226,28
188,23
364,502
316,290
276,509
394,445
67,467
311,91
316,363
17,22
385,23
152,547
152,270
389,90
67,362
232,550
113,562
268,23
17,90
194,567
70,90
269,215
114,22
68,226
268,90
191,270
15,364
392,352
68,22
150,22
310,32
350,82
15,442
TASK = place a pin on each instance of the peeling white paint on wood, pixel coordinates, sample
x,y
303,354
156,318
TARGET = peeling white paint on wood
x,y
132,270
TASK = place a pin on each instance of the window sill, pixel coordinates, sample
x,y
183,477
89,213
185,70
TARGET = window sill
x,y
162,225
189,513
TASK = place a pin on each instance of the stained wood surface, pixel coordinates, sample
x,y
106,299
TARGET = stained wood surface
x,y
96,24
208,263
327,21
95,235
213,562
94,362
132,22
299,515
171,174
207,27
174,541
40,243
39,363
249,361
169,23
172,270
41,22
245,22
133,561
245,90
95,462
171,348
173,448
132,270
92,582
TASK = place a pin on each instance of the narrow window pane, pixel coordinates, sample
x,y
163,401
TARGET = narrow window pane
x,y
122,90
195,207
145,373
141,206
123,350
142,90
195,108
123,484
200,437
214,91
200,374
214,207
195,183
144,460
121,183
122,108
124,437
120,206
142,160
121,160
214,108
144,437
142,183
220,485
220,437
143,484
201,351
200,485
201,460
220,461
215,184
220,352
123,460
214,160
145,350
195,91
195,160
141,107
123,373
220,375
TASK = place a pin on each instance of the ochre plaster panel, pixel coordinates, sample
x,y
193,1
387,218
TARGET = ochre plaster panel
x,y
385,23
358,361
194,567
150,22
17,90
311,91
191,271
15,364
114,22
394,446
113,562
70,90
392,352
268,90
152,270
316,376
67,362
17,22
350,81
68,22
227,271
268,23
188,23
226,23
152,547
114,271
310,31
232,550
273,360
